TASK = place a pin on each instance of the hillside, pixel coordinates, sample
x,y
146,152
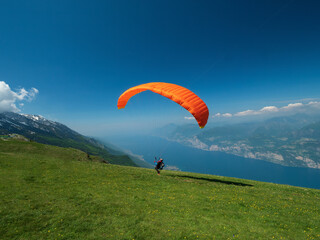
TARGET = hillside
x,y
42,130
48,192
290,141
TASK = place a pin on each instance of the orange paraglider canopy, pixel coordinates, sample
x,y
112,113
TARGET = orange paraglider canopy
x,y
176,93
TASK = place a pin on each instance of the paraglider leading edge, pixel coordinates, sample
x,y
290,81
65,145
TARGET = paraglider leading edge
x,y
183,96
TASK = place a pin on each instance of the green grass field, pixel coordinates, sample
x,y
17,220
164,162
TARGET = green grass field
x,y
48,192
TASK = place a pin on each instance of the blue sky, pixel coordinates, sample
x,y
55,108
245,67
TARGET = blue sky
x,y
81,55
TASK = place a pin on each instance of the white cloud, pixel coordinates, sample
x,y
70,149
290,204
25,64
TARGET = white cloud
x,y
8,98
269,109
314,104
310,107
227,115
292,106
32,93
188,118
245,113
218,115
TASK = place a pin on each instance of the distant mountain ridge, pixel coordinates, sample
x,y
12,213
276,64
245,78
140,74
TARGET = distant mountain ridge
x,y
42,130
289,141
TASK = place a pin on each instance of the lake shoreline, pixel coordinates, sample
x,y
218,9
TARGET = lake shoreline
x,y
196,160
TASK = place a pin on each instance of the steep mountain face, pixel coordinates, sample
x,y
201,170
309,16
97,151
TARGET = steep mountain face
x,y
31,125
41,130
289,141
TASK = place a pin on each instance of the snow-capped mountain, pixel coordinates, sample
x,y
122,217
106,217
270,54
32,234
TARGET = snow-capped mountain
x,y
29,125
42,130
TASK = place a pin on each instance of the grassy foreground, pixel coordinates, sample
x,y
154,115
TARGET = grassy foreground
x,y
48,192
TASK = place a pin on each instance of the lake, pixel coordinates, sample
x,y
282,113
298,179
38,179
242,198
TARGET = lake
x,y
217,163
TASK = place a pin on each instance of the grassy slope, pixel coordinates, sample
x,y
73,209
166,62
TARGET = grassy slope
x,y
48,192
83,144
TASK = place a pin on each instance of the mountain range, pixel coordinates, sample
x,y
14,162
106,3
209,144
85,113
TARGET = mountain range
x,y
289,141
39,129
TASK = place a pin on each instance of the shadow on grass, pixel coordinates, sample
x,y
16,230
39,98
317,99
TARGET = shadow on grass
x,y
214,180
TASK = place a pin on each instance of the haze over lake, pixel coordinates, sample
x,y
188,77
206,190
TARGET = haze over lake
x,y
216,163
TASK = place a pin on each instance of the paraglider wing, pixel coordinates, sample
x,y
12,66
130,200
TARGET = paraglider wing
x,y
176,93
